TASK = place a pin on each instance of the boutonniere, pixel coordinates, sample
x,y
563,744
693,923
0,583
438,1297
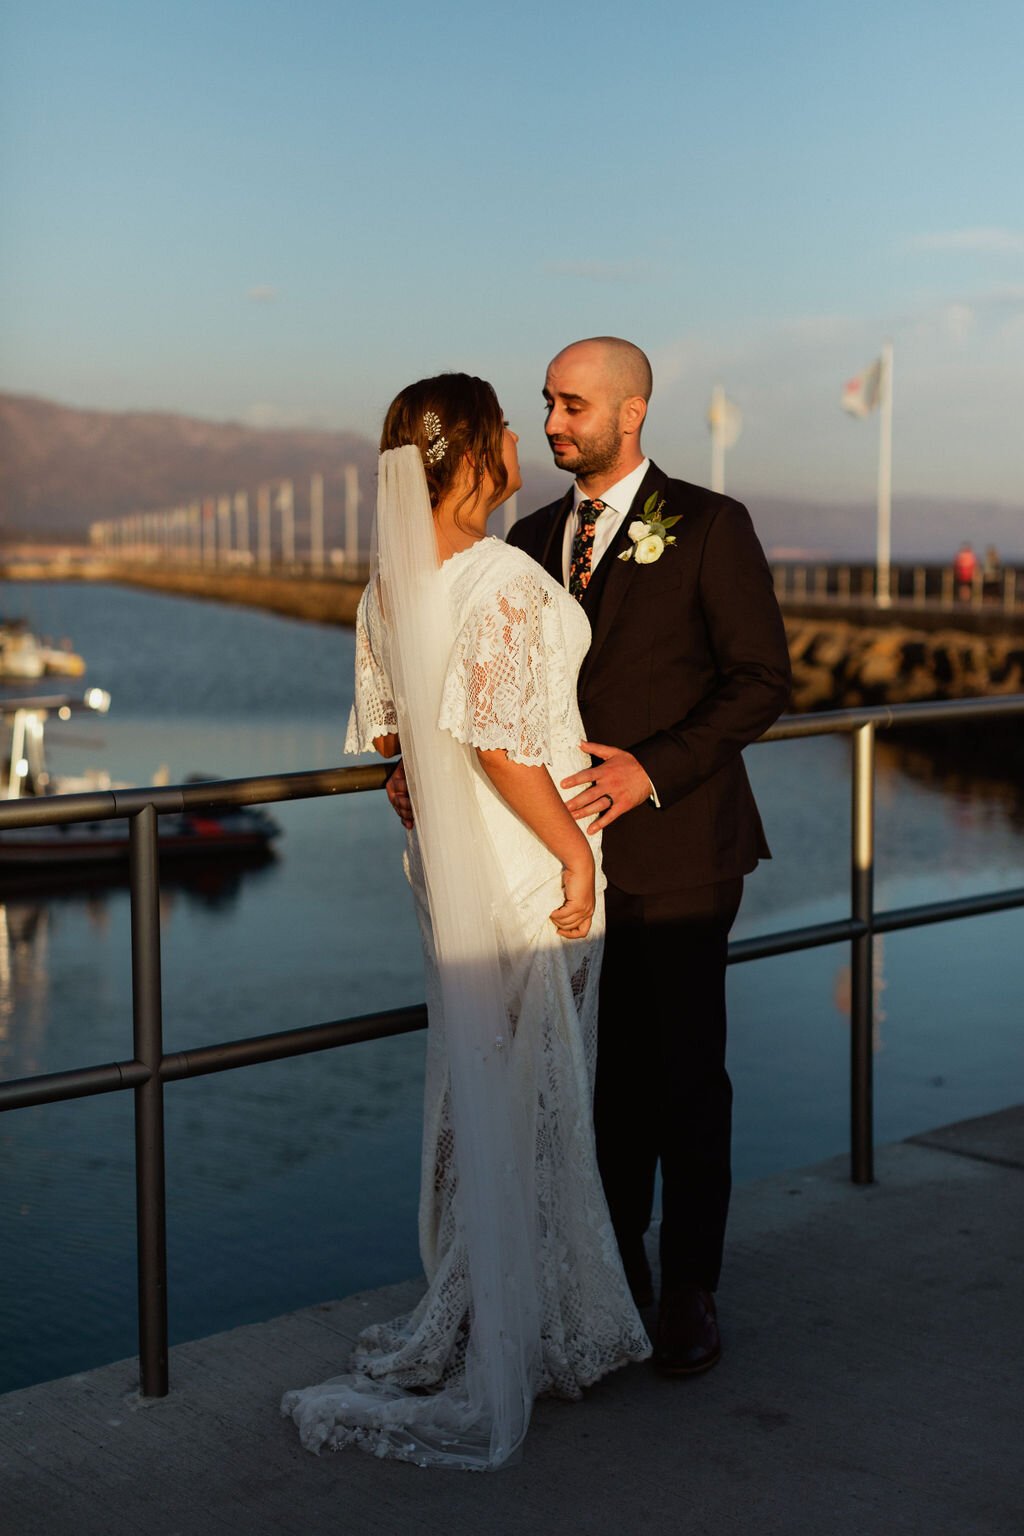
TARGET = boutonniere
x,y
649,532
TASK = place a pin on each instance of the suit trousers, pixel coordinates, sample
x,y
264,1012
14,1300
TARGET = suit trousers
x,y
662,1093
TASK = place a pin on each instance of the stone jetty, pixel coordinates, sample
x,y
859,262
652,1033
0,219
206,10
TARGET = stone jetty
x,y
318,599
840,665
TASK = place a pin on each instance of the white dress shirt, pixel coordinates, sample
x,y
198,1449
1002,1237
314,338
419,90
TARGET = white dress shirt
x,y
618,499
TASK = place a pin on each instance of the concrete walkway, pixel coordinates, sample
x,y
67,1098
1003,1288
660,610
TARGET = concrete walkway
x,y
871,1385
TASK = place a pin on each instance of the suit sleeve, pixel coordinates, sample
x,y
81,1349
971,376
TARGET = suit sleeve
x,y
748,647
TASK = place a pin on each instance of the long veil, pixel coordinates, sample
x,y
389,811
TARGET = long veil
x,y
478,1416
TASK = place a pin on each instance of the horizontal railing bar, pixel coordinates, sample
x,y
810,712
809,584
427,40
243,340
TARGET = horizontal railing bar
x,y
55,1087
788,941
274,788
268,789
816,935
79,1083
829,722
293,1042
55,810
946,911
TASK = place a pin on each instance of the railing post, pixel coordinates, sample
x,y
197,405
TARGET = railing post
x,y
862,883
151,1219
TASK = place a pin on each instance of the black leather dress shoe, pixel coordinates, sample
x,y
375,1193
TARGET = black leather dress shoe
x,y
686,1341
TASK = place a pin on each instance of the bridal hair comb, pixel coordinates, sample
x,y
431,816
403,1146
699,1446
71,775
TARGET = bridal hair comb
x,y
436,444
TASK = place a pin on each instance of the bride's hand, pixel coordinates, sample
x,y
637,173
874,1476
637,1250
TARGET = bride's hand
x,y
397,791
573,918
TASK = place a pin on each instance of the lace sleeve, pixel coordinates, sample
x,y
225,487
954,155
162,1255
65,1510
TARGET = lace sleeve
x,y
496,689
373,712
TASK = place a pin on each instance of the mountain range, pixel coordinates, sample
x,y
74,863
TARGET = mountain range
x,y
62,468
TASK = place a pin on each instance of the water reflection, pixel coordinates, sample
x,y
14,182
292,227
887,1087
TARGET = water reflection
x,y
35,902
24,986
842,993
984,781
204,882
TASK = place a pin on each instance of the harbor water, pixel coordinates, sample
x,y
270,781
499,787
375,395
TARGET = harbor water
x,y
296,1182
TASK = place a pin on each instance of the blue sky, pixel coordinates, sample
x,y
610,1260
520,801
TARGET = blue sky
x,y
282,212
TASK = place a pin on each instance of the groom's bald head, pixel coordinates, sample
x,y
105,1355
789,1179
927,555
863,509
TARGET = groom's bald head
x,y
625,368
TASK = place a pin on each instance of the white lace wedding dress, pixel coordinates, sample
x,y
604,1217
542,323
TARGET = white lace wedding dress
x,y
511,684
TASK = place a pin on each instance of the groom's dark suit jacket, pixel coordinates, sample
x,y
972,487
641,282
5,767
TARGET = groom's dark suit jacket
x,y
688,664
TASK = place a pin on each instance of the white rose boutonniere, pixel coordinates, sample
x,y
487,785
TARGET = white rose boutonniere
x,y
649,549
649,533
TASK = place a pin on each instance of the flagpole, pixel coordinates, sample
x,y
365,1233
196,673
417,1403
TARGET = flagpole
x,y
717,421
884,528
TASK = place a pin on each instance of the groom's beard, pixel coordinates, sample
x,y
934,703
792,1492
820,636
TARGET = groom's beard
x,y
593,455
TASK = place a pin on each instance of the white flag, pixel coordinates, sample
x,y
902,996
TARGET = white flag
x,y
862,394
725,418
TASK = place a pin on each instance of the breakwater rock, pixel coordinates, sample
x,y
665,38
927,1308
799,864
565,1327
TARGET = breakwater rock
x,y
838,665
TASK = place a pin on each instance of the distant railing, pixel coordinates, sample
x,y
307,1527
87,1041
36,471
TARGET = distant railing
x,y
150,1067
920,586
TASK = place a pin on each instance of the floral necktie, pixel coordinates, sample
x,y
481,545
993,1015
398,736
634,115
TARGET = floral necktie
x,y
582,558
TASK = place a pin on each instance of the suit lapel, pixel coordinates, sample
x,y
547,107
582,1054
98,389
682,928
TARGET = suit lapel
x,y
551,556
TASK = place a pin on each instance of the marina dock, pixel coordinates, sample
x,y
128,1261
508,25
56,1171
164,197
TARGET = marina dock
x,y
870,1385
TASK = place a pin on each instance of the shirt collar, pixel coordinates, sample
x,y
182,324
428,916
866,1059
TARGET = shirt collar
x,y
618,498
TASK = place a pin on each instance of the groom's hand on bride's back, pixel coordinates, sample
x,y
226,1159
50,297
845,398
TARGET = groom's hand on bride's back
x,y
398,793
616,785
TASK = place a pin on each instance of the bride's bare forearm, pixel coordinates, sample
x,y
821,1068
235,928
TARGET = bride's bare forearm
x,y
531,793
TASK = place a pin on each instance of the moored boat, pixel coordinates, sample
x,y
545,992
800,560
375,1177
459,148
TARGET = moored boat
x,y
24,657
20,653
238,831
244,830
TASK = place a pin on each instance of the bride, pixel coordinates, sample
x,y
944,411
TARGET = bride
x,y
467,657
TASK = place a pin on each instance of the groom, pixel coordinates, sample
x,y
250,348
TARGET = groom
x,y
688,664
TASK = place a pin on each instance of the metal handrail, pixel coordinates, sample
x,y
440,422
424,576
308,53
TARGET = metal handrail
x,y
150,1067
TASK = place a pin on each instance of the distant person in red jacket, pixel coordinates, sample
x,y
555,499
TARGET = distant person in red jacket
x,y
965,563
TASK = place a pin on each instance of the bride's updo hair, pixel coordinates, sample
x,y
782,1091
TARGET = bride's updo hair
x,y
459,412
